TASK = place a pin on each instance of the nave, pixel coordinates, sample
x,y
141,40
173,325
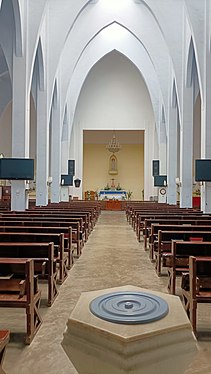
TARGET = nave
x,y
112,257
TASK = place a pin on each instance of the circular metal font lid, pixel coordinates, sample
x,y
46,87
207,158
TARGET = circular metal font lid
x,y
129,307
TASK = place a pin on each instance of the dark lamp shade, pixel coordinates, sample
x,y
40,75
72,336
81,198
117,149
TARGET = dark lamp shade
x,y
77,182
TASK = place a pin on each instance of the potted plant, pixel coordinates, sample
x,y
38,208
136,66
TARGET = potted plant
x,y
129,194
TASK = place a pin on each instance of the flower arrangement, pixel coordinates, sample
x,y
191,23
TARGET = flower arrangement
x,y
119,188
107,188
129,194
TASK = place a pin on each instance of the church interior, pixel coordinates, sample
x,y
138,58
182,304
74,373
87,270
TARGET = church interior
x,y
105,171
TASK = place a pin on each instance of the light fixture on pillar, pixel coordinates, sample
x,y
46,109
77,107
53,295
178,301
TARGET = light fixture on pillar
x,y
178,183
1,155
77,182
113,146
49,181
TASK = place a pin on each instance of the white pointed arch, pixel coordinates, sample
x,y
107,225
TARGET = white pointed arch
x,y
174,100
141,60
192,77
65,125
38,72
75,46
40,61
18,28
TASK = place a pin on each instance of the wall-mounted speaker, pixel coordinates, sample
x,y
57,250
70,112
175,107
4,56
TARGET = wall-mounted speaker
x,y
155,167
71,167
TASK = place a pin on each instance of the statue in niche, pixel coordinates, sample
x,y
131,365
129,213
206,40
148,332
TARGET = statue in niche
x,y
113,165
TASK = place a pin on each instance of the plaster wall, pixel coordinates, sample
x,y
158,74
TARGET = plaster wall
x,y
130,166
114,96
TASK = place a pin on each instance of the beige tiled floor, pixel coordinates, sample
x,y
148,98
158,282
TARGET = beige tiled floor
x,y
112,257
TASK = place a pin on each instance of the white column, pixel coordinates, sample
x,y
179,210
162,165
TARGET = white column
x,y
20,128
78,151
162,157
172,156
149,154
56,154
42,170
206,116
186,149
64,193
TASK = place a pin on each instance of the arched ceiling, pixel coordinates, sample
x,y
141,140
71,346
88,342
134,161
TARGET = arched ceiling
x,y
117,26
82,31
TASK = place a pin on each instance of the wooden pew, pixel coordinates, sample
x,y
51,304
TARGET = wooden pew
x,y
196,287
165,238
155,227
20,290
43,255
77,235
4,340
176,213
172,221
86,217
67,231
132,207
93,207
178,260
32,237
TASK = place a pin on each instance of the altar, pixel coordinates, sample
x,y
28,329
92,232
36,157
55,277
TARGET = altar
x,y
112,195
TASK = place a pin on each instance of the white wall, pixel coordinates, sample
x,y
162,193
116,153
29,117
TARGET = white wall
x,y
114,95
6,131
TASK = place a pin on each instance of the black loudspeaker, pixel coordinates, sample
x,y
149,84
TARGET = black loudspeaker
x,y
71,167
155,167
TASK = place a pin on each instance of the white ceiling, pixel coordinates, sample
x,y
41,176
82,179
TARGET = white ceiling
x,y
104,136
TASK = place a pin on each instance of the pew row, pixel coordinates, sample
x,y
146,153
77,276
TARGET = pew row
x,y
19,289
32,237
77,235
25,227
165,238
177,261
44,256
196,287
200,221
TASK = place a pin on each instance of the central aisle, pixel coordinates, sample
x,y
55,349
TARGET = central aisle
x,y
112,257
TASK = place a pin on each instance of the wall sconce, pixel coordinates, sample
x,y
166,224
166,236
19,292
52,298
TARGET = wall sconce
x,y
178,183
77,182
49,181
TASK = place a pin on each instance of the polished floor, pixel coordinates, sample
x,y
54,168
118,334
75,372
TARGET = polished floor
x,y
112,257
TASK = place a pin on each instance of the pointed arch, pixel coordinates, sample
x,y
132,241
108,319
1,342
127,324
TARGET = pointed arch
x,y
18,28
192,71
5,83
65,125
40,62
174,101
55,95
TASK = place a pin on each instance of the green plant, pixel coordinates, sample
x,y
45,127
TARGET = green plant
x,y
129,194
107,187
